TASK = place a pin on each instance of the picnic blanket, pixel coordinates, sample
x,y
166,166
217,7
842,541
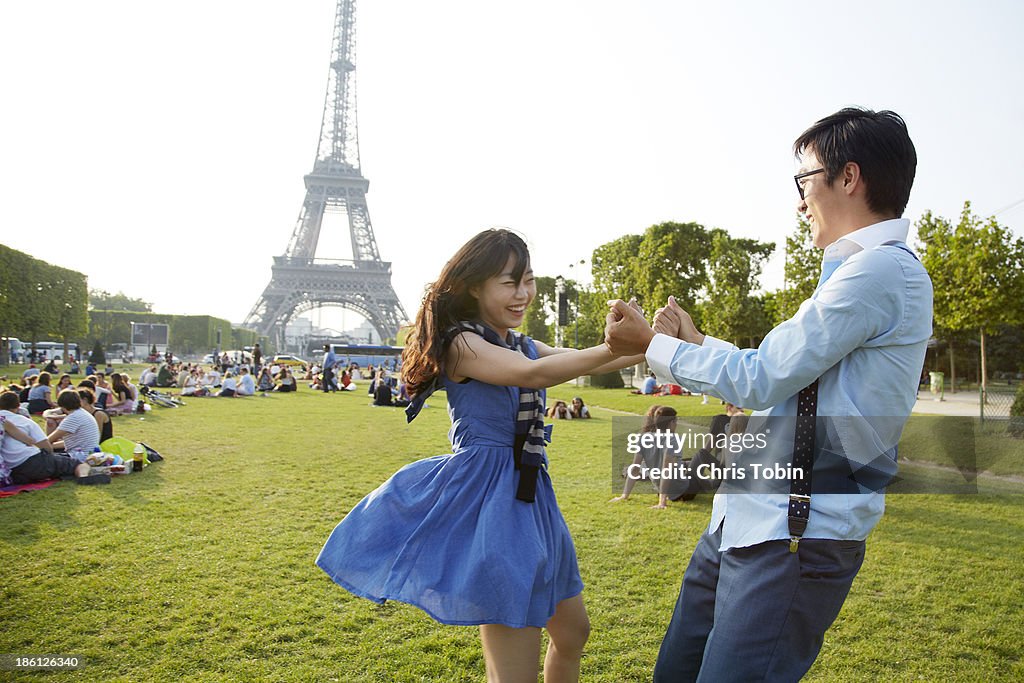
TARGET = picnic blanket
x,y
14,489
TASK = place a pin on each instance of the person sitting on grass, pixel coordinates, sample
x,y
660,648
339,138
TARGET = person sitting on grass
x,y
212,378
148,377
25,388
657,419
28,454
384,395
103,421
121,401
403,390
246,385
286,381
649,387
102,389
228,385
266,382
184,373
40,396
17,389
78,435
165,376
54,415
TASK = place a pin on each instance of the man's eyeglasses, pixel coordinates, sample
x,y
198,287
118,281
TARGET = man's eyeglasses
x,y
800,176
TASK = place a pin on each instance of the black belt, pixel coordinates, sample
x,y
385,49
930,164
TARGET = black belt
x,y
527,491
803,458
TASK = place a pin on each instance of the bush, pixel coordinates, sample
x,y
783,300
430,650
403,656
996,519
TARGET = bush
x,y
97,357
609,380
1017,413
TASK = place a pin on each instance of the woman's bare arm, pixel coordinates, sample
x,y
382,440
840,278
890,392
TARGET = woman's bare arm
x,y
471,356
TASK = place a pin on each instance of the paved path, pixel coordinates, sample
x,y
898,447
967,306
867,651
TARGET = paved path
x,y
963,403
960,403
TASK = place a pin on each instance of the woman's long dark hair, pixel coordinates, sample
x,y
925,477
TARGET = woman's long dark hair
x,y
118,385
448,300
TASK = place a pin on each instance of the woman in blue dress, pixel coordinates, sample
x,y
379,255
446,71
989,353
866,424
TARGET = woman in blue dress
x,y
476,536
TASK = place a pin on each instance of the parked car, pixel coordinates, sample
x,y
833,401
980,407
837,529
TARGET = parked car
x,y
288,360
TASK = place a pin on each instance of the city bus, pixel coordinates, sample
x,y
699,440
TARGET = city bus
x,y
367,354
48,350
15,348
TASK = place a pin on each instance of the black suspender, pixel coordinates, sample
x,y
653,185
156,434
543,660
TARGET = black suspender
x,y
803,458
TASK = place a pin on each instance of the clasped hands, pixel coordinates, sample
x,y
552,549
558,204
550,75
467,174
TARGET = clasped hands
x,y
627,332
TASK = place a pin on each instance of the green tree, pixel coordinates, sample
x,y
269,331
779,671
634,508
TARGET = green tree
x,y
760,318
803,266
537,322
613,266
936,235
105,301
734,269
11,271
672,260
669,258
593,307
977,271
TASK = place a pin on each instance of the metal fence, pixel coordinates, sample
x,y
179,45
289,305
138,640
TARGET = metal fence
x,y
996,401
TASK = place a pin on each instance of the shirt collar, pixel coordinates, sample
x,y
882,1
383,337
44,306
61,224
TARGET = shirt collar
x,y
869,237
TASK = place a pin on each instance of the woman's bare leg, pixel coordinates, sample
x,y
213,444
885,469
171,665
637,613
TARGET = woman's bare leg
x,y
630,481
569,629
512,655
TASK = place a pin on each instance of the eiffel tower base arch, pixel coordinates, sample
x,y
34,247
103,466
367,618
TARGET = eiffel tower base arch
x,y
299,285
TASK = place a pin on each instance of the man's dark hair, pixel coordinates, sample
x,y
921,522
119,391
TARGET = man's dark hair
x,y
10,401
69,400
877,142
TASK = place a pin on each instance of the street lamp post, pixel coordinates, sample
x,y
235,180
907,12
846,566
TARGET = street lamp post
x,y
559,293
576,315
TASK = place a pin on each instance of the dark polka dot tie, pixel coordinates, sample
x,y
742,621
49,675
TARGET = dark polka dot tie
x,y
803,461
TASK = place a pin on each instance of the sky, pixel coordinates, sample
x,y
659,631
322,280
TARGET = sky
x,y
160,148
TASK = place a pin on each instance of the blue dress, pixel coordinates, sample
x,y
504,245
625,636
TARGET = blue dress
x,y
448,535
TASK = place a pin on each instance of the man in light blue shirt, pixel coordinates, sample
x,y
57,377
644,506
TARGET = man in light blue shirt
x,y
330,360
757,598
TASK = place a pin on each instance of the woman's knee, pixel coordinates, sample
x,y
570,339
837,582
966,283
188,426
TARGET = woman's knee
x,y
569,636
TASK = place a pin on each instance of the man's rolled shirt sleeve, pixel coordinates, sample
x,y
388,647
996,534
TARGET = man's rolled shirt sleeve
x,y
663,349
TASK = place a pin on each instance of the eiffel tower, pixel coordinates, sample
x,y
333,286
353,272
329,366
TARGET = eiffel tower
x,y
300,282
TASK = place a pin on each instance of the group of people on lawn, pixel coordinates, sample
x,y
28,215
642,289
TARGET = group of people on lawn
x,y
74,430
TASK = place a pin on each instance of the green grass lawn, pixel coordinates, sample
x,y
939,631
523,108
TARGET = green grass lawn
x,y
201,567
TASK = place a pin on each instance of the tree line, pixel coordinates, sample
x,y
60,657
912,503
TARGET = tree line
x,y
976,266
40,300
977,271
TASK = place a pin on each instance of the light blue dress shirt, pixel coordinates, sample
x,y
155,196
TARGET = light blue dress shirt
x,y
864,333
